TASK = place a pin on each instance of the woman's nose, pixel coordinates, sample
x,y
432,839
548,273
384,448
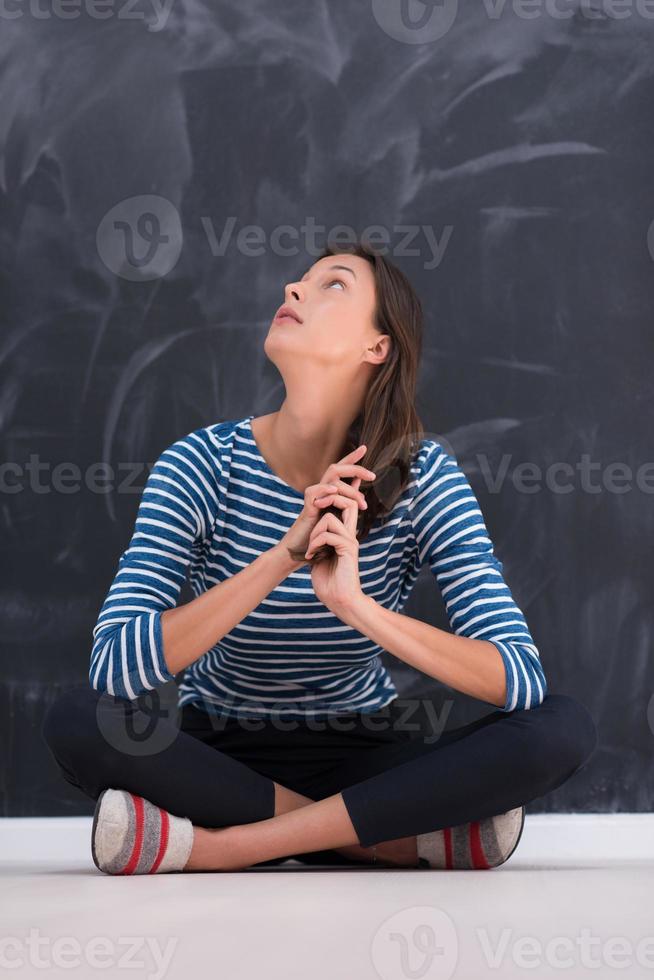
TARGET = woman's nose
x,y
294,290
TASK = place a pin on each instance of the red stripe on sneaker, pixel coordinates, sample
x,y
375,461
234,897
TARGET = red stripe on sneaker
x,y
476,849
163,840
447,835
138,836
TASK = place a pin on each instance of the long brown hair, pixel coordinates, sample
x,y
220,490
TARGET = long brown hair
x,y
388,424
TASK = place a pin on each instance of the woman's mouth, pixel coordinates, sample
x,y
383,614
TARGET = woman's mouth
x,y
286,312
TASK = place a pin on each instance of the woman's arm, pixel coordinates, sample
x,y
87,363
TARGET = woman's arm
x,y
491,655
192,629
141,638
474,667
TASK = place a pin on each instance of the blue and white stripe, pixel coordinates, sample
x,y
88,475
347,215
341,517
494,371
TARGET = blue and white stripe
x,y
176,514
212,504
452,538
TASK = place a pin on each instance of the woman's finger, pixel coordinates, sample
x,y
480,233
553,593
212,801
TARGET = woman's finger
x,y
332,523
350,518
351,490
355,454
337,540
317,492
348,469
338,500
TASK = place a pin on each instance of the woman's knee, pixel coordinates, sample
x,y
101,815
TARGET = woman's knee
x,y
569,733
69,717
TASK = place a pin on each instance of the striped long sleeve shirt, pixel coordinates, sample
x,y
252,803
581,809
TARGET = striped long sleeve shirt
x,y
212,504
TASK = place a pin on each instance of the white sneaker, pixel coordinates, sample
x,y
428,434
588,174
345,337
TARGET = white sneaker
x,y
477,845
131,836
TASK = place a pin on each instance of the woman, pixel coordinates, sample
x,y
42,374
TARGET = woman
x,y
303,532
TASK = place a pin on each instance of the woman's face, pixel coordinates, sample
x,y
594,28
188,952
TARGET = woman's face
x,y
335,299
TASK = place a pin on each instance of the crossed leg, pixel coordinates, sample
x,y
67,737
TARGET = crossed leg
x,y
99,742
218,849
501,761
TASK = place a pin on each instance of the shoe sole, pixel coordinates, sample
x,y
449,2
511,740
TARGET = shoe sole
x,y
522,827
93,829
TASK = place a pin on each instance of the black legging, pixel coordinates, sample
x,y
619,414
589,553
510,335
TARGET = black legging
x,y
394,782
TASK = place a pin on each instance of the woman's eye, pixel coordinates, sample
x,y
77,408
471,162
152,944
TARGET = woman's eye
x,y
336,280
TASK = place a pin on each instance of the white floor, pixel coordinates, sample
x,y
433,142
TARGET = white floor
x,y
575,900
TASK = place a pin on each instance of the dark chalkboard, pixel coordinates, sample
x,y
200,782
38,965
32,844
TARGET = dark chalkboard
x,y
516,150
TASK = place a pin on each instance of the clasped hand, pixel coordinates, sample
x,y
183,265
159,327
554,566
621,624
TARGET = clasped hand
x,y
336,582
336,579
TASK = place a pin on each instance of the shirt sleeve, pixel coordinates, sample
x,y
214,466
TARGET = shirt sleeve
x,y
176,513
452,538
